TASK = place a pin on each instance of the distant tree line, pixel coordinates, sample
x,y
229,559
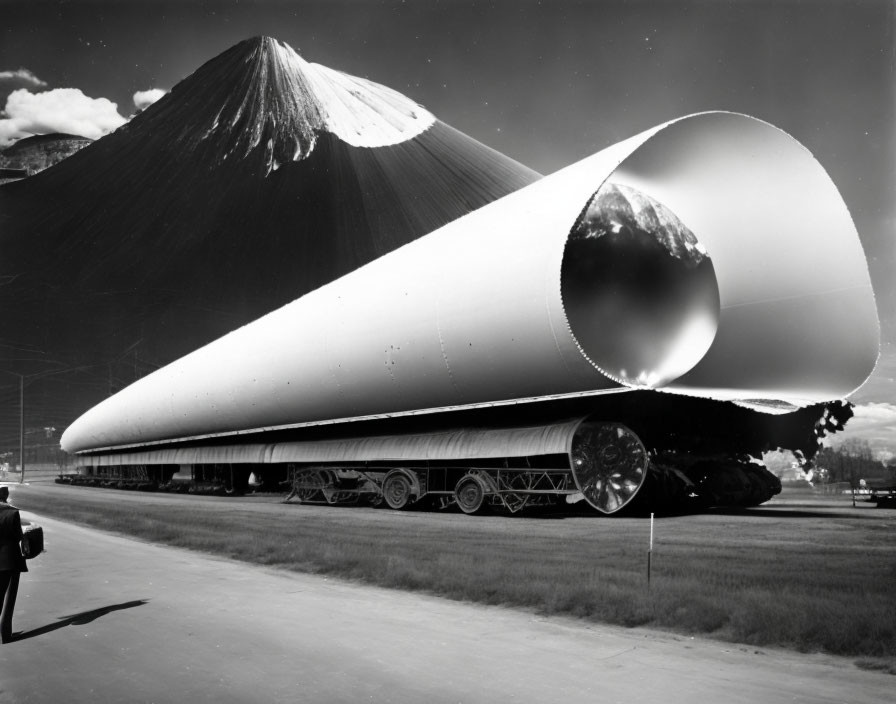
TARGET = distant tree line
x,y
851,461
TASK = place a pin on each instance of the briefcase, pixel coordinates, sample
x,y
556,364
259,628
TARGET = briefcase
x,y
32,541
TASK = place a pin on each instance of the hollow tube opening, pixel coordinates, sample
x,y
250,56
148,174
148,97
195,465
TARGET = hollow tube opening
x,y
639,290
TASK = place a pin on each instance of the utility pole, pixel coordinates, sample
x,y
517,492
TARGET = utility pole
x,y
22,426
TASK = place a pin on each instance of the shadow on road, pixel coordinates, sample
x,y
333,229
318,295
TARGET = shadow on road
x,y
78,619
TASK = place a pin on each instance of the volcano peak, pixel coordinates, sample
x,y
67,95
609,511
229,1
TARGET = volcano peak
x,y
271,101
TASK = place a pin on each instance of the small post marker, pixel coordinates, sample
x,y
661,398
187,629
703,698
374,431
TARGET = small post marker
x,y
649,550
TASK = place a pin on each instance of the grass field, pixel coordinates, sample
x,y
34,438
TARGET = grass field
x,y
805,572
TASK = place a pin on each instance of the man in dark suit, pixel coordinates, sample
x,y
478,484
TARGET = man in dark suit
x,y
12,564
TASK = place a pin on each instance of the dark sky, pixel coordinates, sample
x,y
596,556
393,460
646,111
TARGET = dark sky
x,y
546,83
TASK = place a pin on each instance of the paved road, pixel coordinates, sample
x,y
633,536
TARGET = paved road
x,y
110,619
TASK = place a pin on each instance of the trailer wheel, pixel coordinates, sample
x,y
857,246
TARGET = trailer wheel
x,y
309,484
470,494
397,490
609,464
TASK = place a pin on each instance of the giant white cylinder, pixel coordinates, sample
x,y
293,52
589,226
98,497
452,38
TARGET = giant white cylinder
x,y
484,310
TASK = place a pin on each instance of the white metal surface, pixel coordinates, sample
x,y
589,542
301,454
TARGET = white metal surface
x,y
473,313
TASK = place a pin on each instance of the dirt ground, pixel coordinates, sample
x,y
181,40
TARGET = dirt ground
x,y
103,618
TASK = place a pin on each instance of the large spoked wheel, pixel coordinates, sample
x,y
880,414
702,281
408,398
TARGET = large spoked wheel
x,y
309,484
470,494
397,490
609,464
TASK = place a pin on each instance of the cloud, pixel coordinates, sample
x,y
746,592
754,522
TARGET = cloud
x,y
144,98
874,423
58,110
22,75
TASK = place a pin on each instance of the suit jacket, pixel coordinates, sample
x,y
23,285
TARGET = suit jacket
x,y
10,534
